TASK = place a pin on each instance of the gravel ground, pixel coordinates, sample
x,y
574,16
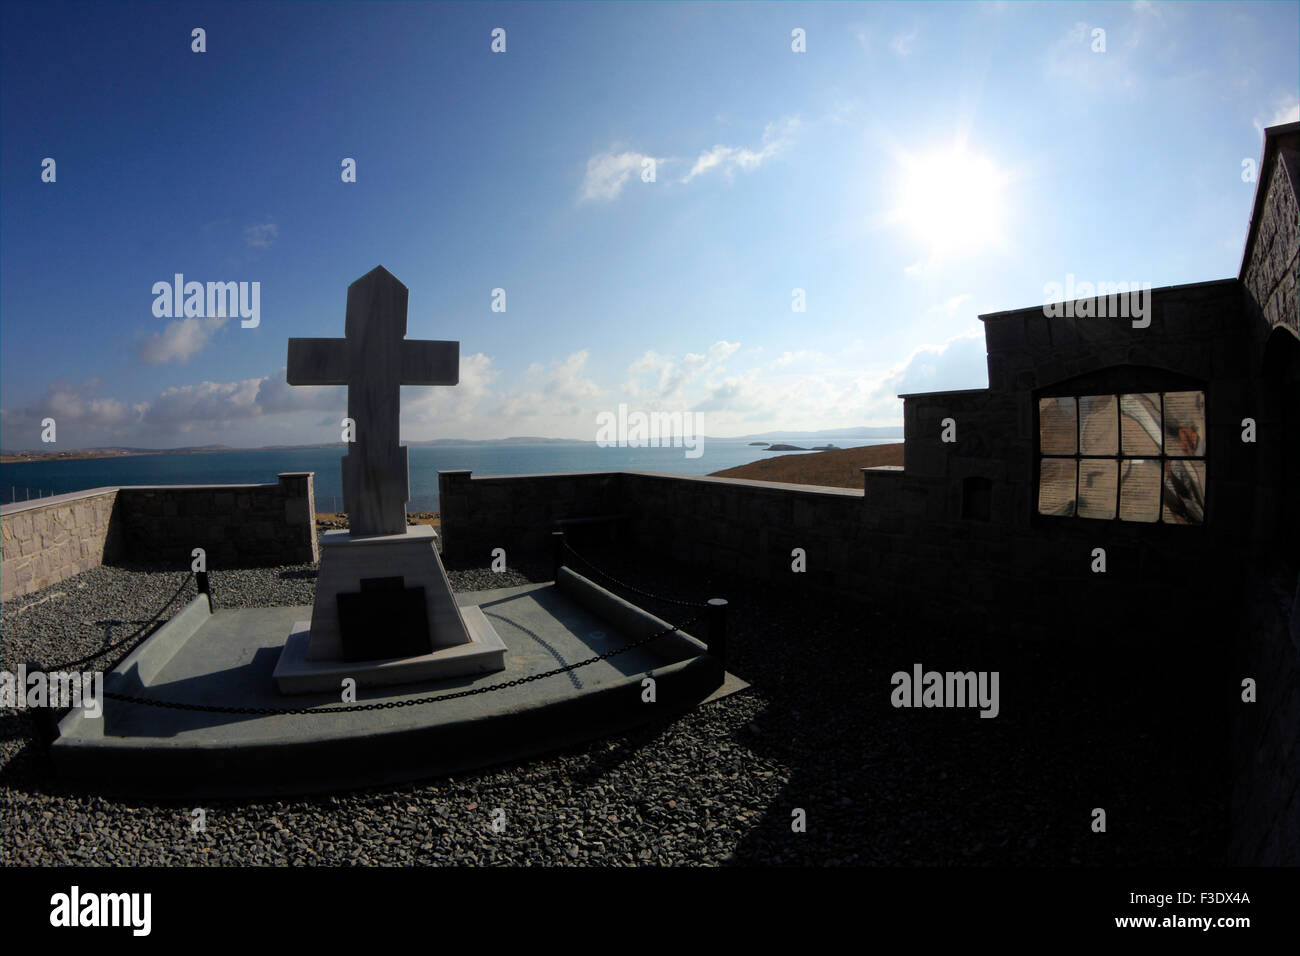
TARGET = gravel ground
x,y
816,733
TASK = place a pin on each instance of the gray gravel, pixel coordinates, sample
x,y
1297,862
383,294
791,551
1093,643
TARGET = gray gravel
x,y
816,732
685,792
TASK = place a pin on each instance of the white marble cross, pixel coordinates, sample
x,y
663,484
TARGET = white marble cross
x,y
373,361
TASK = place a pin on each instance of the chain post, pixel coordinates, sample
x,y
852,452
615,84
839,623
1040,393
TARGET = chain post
x,y
201,581
557,553
716,631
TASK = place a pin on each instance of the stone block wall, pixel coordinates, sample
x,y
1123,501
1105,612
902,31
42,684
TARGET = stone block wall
x,y
236,525
1265,735
724,524
48,540
748,528
1273,260
51,539
517,512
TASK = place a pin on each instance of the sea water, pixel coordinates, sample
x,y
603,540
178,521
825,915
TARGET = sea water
x,y
20,480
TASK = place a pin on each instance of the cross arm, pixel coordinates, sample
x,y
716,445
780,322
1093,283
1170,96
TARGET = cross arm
x,y
317,362
427,362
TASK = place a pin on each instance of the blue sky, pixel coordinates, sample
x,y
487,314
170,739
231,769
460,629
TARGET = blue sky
x,y
919,164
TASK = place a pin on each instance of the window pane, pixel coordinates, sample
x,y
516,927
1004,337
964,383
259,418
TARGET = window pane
x,y
1097,487
1056,426
1098,425
1184,492
1139,421
1184,424
1056,487
1139,490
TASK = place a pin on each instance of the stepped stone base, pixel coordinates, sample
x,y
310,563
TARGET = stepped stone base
x,y
296,674
346,561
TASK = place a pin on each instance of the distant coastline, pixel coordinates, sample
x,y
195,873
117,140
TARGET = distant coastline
x,y
17,457
20,456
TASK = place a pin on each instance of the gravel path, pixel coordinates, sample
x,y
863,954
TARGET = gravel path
x,y
816,732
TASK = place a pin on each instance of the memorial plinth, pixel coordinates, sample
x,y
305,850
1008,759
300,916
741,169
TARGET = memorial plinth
x,y
408,629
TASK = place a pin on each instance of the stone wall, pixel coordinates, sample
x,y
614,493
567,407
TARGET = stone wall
x,y
517,512
48,540
749,528
236,525
1265,738
729,524
1272,263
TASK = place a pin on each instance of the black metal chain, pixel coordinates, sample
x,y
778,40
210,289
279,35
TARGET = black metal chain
x,y
141,632
636,590
391,704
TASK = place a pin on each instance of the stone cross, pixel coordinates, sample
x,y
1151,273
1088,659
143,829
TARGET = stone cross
x,y
373,361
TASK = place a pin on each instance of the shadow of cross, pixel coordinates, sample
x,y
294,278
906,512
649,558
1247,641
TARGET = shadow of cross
x,y
373,361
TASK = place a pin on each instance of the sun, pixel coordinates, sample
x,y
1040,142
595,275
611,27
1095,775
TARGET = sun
x,y
952,201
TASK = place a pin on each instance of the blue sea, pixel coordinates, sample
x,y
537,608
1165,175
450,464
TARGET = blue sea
x,y
22,480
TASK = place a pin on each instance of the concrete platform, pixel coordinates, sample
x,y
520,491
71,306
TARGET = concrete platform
x,y
227,659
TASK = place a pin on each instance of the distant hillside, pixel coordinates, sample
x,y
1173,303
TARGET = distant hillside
x,y
886,431
10,457
524,440
836,469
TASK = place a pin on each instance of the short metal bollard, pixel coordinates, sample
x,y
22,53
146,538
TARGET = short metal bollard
x,y
201,579
557,553
716,630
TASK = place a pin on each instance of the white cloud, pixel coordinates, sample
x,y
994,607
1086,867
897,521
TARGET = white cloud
x,y
727,159
275,394
70,404
443,406
261,236
179,342
960,362
670,375
560,390
1071,58
1286,110
953,304
791,358
184,407
608,173
739,390
901,44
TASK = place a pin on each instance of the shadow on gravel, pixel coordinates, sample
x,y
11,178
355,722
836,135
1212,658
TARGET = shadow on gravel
x,y
147,567
608,755
1091,715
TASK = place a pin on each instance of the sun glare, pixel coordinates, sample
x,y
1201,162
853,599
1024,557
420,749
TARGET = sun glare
x,y
951,200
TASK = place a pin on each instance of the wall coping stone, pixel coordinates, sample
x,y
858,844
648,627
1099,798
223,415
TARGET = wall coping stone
x,y
706,479
18,507
951,391
1037,310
